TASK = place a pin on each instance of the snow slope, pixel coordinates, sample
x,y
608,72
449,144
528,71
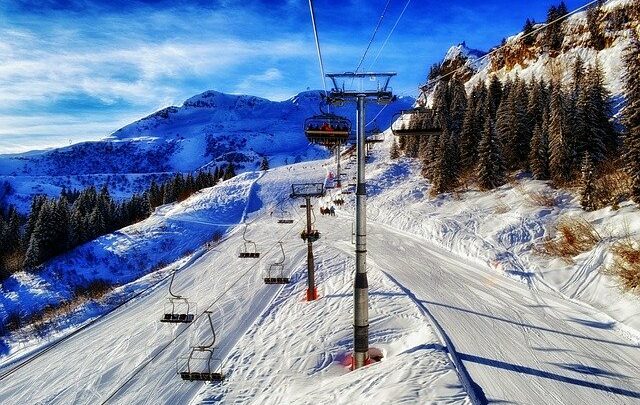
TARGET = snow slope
x,y
444,320
171,232
132,356
208,130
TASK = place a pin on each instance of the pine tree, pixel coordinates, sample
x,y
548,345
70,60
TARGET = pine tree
x,y
229,172
539,152
560,154
458,106
587,186
536,103
494,95
394,152
155,195
528,28
554,33
596,36
491,172
36,205
631,114
264,165
444,172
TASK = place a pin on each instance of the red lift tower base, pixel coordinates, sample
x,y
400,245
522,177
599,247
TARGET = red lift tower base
x,y
312,295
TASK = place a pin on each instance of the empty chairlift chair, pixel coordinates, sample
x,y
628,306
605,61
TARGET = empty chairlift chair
x,y
418,121
275,272
249,249
374,136
284,216
178,309
201,365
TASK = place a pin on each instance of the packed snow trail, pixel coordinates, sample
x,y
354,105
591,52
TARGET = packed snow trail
x,y
518,345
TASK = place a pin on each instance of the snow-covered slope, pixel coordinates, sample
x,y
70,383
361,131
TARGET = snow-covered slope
x,y
453,327
208,130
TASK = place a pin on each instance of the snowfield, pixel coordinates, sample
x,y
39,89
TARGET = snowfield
x,y
457,318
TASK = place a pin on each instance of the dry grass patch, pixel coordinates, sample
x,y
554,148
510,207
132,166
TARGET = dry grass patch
x,y
626,263
501,207
573,235
41,322
541,198
612,185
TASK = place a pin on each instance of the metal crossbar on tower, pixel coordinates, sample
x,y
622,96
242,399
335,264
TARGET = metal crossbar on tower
x,y
307,191
381,93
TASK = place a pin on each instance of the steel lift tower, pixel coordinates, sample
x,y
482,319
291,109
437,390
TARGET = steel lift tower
x,y
338,96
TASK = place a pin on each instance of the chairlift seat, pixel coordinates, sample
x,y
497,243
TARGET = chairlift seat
x,y
201,376
277,280
251,255
285,221
177,318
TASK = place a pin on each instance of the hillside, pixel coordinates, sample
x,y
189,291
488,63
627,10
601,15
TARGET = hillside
x,y
602,37
209,129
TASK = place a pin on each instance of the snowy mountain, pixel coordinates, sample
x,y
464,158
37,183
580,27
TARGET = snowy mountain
x,y
532,58
209,129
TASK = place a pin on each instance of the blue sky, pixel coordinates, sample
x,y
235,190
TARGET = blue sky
x,y
79,69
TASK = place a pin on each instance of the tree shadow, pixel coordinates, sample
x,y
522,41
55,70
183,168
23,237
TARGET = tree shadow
x,y
581,368
526,325
593,324
545,374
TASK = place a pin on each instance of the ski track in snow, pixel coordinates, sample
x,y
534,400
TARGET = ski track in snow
x,y
453,330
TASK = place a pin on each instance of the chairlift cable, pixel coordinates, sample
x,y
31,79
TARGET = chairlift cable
x,y
373,36
315,35
389,35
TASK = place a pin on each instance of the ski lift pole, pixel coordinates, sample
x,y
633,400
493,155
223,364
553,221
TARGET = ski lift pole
x,y
361,285
312,293
383,95
338,181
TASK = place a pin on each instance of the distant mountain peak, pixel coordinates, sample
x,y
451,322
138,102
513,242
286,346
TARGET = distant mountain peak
x,y
463,51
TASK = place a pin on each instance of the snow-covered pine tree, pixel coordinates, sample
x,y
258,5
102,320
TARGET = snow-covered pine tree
x,y
539,152
444,173
528,28
535,103
596,36
229,172
490,171
458,106
469,138
523,130
494,95
505,125
602,112
394,151
631,116
560,154
264,165
587,184
430,155
37,202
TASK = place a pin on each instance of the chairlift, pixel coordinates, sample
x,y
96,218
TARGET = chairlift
x,y
374,136
283,215
249,248
198,366
418,121
312,236
178,309
327,129
275,271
